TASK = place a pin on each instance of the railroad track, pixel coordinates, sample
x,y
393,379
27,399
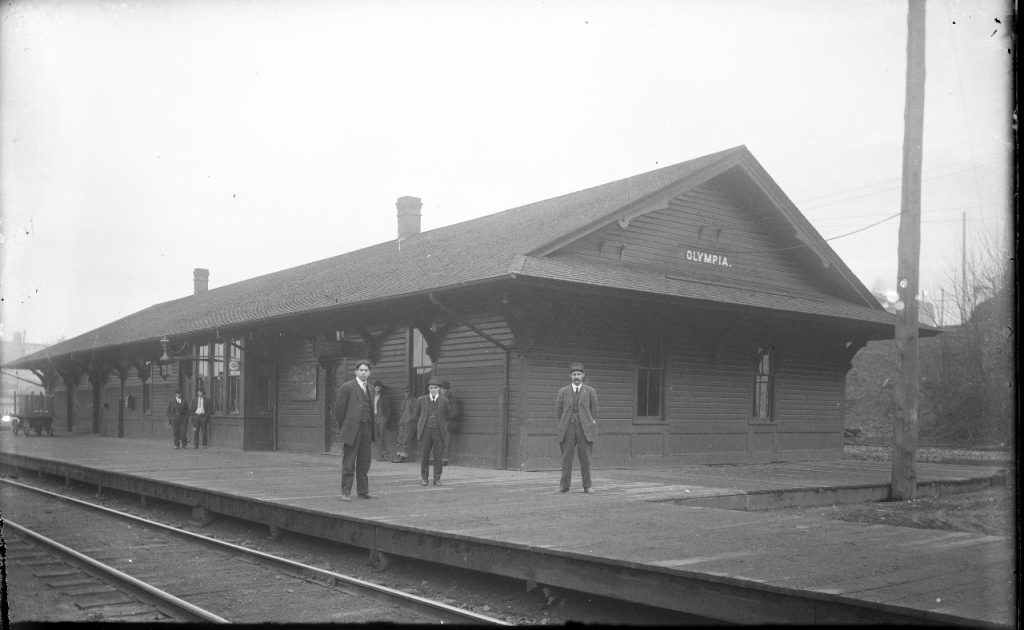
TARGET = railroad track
x,y
163,572
95,591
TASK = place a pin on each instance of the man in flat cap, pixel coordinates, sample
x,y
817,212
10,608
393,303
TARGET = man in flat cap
x,y
576,410
433,412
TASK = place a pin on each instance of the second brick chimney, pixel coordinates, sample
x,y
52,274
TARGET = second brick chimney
x,y
408,216
201,280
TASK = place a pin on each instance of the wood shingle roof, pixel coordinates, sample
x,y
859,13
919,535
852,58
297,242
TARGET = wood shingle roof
x,y
486,249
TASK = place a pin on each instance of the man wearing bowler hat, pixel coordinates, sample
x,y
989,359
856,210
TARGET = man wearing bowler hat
x,y
433,413
576,410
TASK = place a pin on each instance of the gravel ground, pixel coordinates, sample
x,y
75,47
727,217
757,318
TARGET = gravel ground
x,y
991,511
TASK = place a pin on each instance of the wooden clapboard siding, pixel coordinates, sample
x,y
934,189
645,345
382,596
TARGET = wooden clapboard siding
x,y
475,367
391,368
133,420
708,387
707,219
300,423
109,411
60,408
591,332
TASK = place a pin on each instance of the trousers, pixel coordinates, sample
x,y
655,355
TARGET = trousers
x,y
179,427
355,461
575,442
432,441
200,424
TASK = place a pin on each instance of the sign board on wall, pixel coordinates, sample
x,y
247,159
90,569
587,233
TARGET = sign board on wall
x,y
706,258
302,380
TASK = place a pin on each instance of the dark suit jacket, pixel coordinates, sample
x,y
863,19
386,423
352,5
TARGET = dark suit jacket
x,y
383,413
207,406
349,409
176,410
444,415
588,411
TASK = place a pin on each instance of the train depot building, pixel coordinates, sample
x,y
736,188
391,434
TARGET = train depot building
x,y
715,324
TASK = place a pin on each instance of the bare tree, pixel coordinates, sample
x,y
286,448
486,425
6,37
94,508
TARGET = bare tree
x,y
969,376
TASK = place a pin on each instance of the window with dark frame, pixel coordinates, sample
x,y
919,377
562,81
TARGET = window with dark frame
x,y
219,372
234,375
147,390
764,384
217,375
649,382
421,367
203,368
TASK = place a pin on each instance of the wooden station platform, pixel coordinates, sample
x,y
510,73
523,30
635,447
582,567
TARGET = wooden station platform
x,y
645,535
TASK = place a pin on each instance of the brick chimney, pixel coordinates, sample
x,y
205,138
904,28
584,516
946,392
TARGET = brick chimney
x,y
408,216
200,280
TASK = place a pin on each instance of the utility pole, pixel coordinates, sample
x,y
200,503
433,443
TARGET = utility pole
x,y
963,269
904,447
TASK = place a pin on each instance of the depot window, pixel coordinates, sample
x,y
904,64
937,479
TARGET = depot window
x,y
650,378
219,374
421,366
764,384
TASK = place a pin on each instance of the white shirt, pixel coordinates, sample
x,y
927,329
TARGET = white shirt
x,y
199,407
575,389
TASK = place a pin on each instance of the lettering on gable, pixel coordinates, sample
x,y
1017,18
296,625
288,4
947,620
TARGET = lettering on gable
x,y
696,256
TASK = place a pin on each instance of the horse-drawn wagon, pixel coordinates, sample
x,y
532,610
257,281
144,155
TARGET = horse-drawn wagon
x,y
32,412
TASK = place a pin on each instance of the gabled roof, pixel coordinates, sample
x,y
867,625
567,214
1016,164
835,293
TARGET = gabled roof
x,y
490,248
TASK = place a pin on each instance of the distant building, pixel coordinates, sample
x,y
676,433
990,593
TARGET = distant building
x,y
17,381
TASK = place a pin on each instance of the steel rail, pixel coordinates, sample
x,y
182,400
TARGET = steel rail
x,y
420,603
163,600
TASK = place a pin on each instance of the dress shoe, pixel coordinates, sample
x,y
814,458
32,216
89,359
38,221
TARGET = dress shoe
x,y
424,482
437,482
398,460
367,496
589,490
563,489
346,497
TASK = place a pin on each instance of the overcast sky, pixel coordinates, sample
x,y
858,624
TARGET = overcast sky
x,y
140,140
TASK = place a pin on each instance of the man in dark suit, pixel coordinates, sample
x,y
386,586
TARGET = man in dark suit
x,y
353,413
177,417
382,419
453,426
433,413
201,408
576,410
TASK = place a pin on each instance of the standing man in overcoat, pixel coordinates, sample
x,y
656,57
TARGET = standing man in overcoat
x,y
201,408
353,413
177,417
406,428
576,410
433,412
382,419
